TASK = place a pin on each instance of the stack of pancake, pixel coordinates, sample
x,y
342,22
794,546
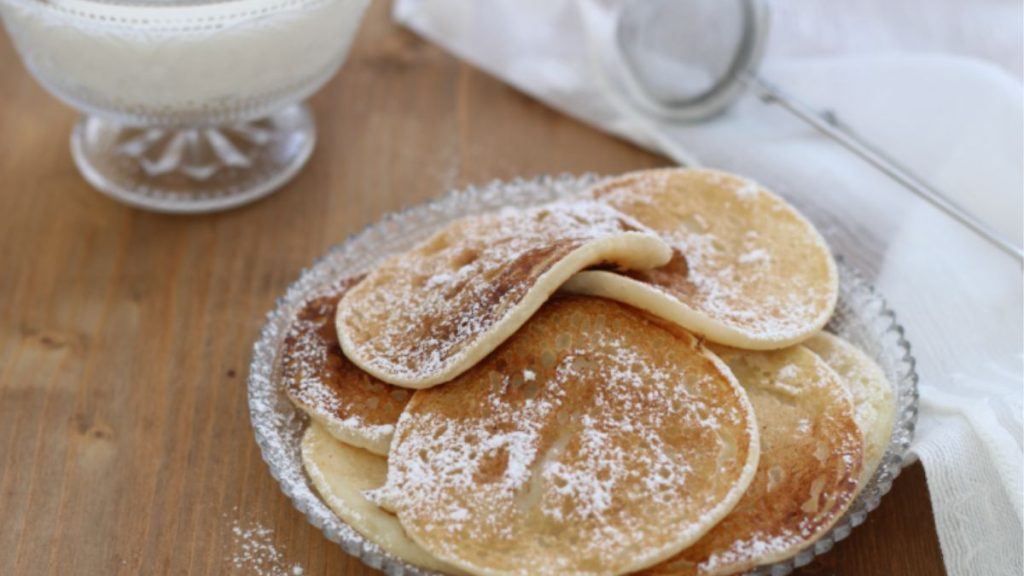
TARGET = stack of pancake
x,y
634,379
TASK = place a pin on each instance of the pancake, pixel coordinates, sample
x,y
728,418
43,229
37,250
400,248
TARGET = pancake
x,y
747,269
425,316
340,474
874,405
353,406
807,476
596,440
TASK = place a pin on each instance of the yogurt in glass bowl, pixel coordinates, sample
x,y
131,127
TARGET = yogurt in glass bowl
x,y
188,105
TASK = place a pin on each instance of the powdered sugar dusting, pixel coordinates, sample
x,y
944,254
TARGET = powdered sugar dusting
x,y
626,436
808,470
754,256
256,553
747,190
419,312
325,383
861,317
742,256
759,544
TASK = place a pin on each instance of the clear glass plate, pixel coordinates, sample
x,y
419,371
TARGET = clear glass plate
x,y
861,317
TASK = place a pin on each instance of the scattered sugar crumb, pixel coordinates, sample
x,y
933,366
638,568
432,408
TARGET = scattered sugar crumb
x,y
255,553
529,376
754,256
747,191
803,426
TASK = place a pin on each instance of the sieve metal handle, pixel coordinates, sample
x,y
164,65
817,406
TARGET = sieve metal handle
x,y
829,124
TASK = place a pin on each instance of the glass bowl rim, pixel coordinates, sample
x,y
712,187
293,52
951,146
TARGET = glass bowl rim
x,y
170,17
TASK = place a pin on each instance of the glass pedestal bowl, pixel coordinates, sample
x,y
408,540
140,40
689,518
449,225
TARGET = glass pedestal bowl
x,y
188,105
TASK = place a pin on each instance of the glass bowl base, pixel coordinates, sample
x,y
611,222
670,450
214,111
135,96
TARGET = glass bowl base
x,y
193,169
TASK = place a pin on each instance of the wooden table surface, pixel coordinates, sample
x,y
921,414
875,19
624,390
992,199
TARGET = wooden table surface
x,y
125,336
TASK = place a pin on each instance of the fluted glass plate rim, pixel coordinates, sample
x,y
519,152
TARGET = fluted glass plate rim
x,y
862,316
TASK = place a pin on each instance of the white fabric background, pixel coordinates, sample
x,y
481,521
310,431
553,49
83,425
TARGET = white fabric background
x,y
897,73
991,30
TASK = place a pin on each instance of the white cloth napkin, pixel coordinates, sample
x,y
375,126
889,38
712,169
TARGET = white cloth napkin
x,y
956,121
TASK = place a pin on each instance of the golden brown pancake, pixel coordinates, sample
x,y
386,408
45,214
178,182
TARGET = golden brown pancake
x,y
423,317
341,473
811,453
747,269
352,405
427,315
873,401
596,440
